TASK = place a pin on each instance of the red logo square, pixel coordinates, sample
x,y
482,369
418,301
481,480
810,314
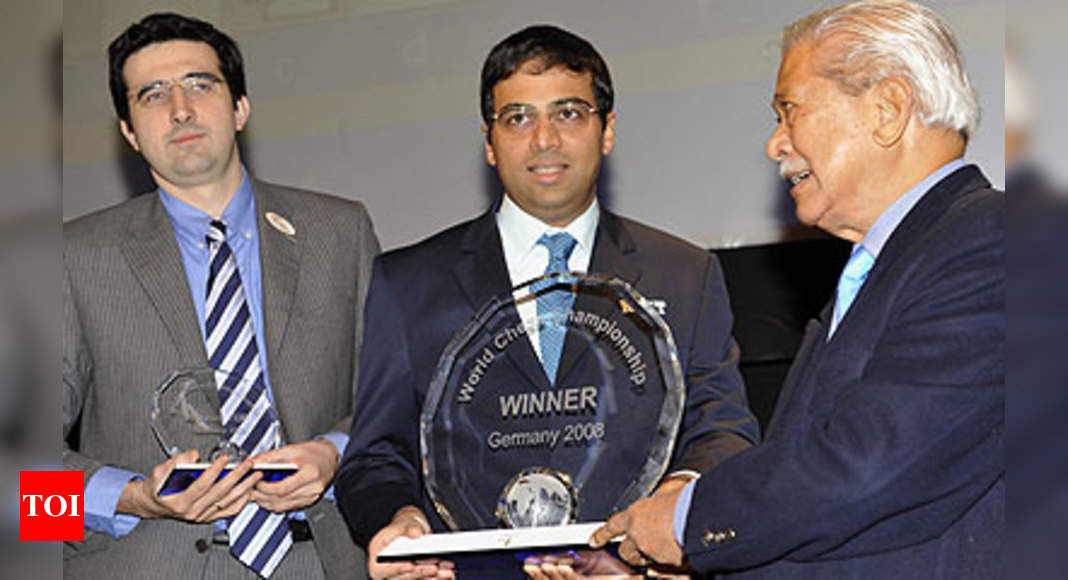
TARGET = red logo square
x,y
51,506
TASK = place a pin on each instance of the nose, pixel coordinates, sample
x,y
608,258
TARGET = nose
x,y
182,111
779,146
546,135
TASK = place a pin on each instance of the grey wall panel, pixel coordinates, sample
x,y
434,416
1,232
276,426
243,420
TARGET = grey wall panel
x,y
378,100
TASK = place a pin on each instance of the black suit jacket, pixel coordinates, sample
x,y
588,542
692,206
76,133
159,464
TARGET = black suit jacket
x,y
884,458
421,295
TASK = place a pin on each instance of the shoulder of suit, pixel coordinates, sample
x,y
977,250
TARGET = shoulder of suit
x,y
974,216
648,239
444,241
326,204
108,224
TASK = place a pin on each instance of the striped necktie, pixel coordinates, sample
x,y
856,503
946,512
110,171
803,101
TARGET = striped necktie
x,y
258,538
553,306
853,276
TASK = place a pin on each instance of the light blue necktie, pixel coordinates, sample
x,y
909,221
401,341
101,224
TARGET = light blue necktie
x,y
553,306
853,276
258,538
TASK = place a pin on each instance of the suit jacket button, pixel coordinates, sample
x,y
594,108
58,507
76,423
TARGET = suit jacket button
x,y
201,545
707,537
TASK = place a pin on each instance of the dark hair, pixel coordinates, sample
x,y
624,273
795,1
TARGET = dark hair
x,y
550,47
164,26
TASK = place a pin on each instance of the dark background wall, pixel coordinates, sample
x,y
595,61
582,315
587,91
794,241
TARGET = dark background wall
x,y
775,289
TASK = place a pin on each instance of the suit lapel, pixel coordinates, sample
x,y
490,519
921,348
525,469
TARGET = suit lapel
x,y
279,272
805,362
918,220
153,256
279,265
815,346
612,249
482,275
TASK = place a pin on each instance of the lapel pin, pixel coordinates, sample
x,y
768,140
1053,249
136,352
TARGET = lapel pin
x,y
280,223
625,307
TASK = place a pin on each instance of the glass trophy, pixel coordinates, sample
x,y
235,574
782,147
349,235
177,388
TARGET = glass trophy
x,y
187,413
201,409
505,446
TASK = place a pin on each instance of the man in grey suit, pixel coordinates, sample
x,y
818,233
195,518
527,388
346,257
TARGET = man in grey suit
x,y
213,269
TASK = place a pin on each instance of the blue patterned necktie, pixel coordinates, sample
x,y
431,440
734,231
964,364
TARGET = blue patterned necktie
x,y
853,276
258,538
553,306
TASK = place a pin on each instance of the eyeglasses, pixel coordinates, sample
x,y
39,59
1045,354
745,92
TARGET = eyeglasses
x,y
569,115
195,86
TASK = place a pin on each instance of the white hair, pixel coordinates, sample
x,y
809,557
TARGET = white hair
x,y
878,39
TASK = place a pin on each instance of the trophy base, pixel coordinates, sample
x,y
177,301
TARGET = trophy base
x,y
449,544
502,553
184,474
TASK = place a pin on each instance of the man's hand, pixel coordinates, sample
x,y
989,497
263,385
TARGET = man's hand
x,y
202,501
573,565
647,525
409,521
316,461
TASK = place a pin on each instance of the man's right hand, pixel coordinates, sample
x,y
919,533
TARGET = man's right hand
x,y
409,521
202,501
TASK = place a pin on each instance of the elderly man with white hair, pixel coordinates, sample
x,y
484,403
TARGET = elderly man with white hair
x,y
885,455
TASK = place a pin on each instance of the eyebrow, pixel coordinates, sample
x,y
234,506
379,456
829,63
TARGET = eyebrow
x,y
193,75
778,99
556,103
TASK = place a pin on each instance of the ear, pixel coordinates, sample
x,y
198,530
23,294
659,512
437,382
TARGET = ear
x,y
129,135
893,105
241,113
608,137
491,158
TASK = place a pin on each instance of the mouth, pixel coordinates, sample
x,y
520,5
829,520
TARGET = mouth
x,y
547,172
186,139
798,177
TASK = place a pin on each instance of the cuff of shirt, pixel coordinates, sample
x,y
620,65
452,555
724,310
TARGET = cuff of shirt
x,y
687,473
682,511
102,495
340,441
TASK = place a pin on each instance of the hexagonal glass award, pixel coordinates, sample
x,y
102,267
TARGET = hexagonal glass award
x,y
505,445
187,413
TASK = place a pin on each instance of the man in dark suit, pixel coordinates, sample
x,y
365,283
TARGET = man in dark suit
x,y
884,458
213,269
547,107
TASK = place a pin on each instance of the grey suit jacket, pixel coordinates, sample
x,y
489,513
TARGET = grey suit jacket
x,y
129,321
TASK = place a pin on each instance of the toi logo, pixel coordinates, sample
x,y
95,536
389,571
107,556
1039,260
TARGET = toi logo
x,y
51,506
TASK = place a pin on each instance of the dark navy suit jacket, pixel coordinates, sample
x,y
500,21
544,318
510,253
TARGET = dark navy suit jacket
x,y
884,458
421,295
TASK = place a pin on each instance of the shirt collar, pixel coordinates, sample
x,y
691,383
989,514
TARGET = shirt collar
x,y
520,231
888,221
191,223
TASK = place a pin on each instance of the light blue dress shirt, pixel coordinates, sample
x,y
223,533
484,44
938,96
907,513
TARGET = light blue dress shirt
x,y
873,241
190,230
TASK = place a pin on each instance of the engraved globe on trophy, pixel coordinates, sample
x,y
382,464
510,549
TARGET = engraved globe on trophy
x,y
187,413
505,445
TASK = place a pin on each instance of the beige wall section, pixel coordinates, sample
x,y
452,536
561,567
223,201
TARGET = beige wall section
x,y
378,100
30,116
